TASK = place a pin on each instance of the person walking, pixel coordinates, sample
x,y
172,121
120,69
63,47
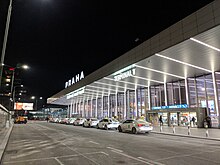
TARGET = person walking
x,y
161,120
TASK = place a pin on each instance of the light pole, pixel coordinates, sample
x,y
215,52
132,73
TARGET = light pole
x,y
13,95
36,100
5,39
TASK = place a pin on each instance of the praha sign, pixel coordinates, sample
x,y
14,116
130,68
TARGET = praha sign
x,y
75,79
125,74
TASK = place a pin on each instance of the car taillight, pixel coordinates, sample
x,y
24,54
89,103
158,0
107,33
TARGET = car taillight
x,y
140,125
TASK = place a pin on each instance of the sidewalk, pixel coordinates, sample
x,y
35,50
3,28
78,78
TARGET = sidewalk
x,y
4,137
193,132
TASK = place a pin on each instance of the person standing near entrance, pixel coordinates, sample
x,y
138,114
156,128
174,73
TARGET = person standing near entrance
x,y
161,120
193,120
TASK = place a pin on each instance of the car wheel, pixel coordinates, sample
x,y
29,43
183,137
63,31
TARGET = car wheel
x,y
119,129
134,131
83,125
106,128
89,126
97,126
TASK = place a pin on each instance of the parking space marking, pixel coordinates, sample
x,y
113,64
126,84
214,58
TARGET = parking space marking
x,y
115,149
94,142
56,158
156,163
59,161
140,160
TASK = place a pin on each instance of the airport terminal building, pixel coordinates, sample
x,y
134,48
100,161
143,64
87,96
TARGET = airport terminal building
x,y
176,74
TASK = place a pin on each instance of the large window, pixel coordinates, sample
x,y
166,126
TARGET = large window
x,y
112,107
157,96
105,106
120,104
99,109
131,114
94,108
142,99
192,92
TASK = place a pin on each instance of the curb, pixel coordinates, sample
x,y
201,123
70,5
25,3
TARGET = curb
x,y
4,143
188,136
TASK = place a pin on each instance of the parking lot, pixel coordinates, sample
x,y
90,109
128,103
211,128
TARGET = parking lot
x,y
39,142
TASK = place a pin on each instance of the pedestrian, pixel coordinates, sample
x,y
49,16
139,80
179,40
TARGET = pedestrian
x,y
193,120
161,120
47,118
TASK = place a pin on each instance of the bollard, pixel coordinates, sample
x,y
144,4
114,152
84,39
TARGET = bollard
x,y
206,132
173,129
161,128
189,133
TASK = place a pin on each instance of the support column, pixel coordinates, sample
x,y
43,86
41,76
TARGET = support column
x,y
91,107
149,97
187,92
96,108
125,105
136,104
165,93
116,104
216,94
109,106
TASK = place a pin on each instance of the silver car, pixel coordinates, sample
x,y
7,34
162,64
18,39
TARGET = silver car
x,y
135,126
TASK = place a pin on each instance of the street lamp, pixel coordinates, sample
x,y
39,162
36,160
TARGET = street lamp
x,y
13,73
5,39
13,95
36,100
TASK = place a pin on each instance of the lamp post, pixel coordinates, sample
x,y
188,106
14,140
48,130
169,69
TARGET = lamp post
x,y
5,39
13,95
36,100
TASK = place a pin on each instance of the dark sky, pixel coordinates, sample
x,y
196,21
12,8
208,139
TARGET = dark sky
x,y
59,38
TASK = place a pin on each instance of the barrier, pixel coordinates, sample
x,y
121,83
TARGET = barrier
x,y
5,117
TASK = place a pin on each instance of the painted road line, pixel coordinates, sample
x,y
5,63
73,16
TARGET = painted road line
x,y
94,142
148,160
115,149
59,161
139,160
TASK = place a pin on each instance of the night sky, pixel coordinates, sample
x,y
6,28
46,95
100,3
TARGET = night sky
x,y
60,38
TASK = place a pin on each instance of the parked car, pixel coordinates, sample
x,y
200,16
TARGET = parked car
x,y
79,121
90,122
135,126
108,124
63,120
70,121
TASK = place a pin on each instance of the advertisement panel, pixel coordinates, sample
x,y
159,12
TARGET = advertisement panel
x,y
23,106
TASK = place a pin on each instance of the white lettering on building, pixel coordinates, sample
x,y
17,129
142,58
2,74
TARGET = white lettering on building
x,y
125,74
74,80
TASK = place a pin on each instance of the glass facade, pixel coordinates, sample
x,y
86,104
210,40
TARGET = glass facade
x,y
139,103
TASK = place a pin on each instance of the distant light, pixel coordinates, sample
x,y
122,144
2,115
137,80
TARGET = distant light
x,y
7,84
32,97
25,66
20,94
41,98
22,85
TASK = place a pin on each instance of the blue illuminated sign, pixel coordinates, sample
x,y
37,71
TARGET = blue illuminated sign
x,y
171,107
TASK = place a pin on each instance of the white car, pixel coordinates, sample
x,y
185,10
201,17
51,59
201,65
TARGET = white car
x,y
79,121
108,124
135,126
90,122
70,121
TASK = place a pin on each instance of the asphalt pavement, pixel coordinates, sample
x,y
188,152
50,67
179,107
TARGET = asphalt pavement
x,y
49,143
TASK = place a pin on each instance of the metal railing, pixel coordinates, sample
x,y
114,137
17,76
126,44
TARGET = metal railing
x,y
5,117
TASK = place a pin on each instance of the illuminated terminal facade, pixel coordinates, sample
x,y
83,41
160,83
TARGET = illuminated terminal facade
x,y
175,74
